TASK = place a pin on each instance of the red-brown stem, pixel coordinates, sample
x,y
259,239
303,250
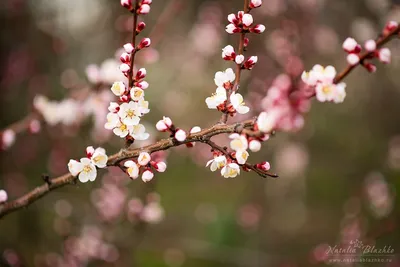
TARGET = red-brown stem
x,y
134,33
224,117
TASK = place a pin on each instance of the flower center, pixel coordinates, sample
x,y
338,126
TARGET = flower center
x,y
87,168
130,113
327,89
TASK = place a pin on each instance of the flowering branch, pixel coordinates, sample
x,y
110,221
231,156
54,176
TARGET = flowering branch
x,y
114,160
284,107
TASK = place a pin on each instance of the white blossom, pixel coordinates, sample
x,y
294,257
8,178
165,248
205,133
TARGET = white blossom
x,y
180,135
238,103
255,145
147,176
129,114
132,169
138,132
144,158
217,98
216,163
241,156
231,170
239,142
222,77
118,88
99,157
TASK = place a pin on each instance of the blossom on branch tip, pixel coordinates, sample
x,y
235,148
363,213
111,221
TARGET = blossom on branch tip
x,y
3,196
132,169
238,104
147,175
330,92
217,163
230,171
144,158
180,135
265,166
164,124
255,3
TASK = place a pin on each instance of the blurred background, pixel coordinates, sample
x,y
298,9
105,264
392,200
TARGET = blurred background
x,y
338,175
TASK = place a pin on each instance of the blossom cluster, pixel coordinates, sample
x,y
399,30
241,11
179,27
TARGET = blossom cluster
x,y
85,169
224,81
144,165
231,163
124,117
323,80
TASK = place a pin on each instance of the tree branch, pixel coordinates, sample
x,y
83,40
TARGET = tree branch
x,y
115,159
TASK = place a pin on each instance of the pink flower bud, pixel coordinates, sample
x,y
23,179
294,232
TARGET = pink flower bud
x,y
160,166
265,166
144,9
385,55
164,124
249,64
259,28
247,20
34,126
391,25
353,59
231,28
124,68
239,59
370,45
195,129
129,48
232,18
89,151
349,45
143,85
147,175
246,42
180,135
255,3
3,196
113,107
127,4
125,58
124,98
144,43
147,2
228,52
140,27
141,74
370,67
